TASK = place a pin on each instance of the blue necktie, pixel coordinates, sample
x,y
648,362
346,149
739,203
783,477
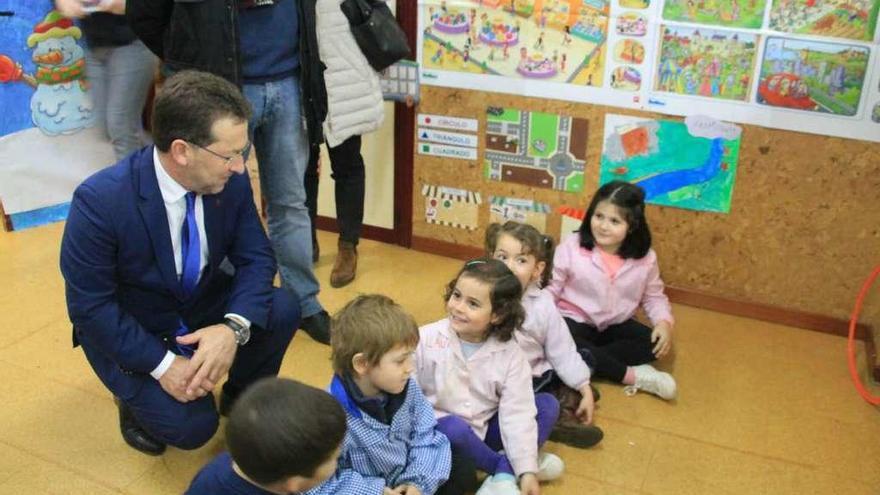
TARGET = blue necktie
x,y
190,250
190,258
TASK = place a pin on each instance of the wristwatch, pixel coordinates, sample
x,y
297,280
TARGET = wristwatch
x,y
242,333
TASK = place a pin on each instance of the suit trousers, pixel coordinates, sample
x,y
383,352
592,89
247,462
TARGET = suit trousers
x,y
190,425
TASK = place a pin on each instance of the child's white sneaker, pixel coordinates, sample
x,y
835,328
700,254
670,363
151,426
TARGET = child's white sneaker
x,y
550,467
653,381
499,484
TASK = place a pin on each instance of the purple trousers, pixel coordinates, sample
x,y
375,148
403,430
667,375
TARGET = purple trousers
x,y
485,452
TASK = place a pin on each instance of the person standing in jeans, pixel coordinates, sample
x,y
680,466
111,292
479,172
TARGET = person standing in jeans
x,y
119,68
354,108
268,48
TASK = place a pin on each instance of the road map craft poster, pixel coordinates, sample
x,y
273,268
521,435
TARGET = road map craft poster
x,y
847,19
503,209
688,164
451,206
813,76
535,149
706,62
675,57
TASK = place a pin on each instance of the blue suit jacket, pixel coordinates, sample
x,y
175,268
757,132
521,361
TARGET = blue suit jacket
x,y
123,294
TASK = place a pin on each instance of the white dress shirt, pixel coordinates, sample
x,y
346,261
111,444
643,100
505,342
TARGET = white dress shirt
x,y
174,196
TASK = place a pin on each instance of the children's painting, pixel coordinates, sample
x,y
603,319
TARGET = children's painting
x,y
548,40
689,164
635,4
48,138
731,13
502,209
626,78
850,19
451,207
813,76
535,149
631,24
629,51
705,62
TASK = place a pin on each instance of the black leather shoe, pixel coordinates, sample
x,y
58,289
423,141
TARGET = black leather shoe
x,y
134,435
318,327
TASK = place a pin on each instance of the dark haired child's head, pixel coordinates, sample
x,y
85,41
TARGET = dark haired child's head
x,y
526,252
284,435
615,221
484,300
373,340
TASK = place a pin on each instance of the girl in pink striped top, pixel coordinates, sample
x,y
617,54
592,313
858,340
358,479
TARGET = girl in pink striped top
x,y
601,275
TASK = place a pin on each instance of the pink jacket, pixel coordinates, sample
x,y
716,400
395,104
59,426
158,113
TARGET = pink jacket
x,y
496,378
585,293
546,341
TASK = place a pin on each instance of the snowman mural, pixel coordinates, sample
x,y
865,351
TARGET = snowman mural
x,y
60,103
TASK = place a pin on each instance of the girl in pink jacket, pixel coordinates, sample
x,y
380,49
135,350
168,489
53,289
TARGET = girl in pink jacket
x,y
557,366
480,383
601,275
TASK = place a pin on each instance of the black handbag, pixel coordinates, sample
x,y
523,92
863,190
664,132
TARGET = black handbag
x,y
376,31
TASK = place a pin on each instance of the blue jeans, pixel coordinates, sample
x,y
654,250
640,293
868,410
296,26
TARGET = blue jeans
x,y
120,79
280,142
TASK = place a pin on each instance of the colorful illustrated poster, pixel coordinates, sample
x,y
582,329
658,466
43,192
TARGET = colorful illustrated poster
x,y
731,13
812,75
556,41
451,207
675,57
49,140
706,62
688,165
850,19
535,149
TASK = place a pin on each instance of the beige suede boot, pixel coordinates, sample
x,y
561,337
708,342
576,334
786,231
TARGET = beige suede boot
x,y
345,265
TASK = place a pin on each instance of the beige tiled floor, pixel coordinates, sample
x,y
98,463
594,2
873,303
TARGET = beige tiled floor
x,y
762,408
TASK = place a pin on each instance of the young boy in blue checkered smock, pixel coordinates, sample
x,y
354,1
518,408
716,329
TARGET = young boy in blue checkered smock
x,y
392,446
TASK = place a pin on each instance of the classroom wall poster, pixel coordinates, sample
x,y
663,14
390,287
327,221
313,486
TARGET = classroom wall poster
x,y
48,138
503,209
451,206
535,149
802,65
689,164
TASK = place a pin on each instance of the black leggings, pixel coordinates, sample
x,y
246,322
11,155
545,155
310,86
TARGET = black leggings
x,y
615,348
462,477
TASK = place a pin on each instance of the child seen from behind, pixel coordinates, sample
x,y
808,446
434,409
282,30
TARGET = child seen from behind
x,y
479,381
283,437
556,365
601,275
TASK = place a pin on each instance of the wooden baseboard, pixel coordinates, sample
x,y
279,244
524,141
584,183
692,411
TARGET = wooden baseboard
x,y
371,232
712,302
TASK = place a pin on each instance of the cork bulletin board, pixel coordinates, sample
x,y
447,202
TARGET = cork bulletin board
x,y
802,233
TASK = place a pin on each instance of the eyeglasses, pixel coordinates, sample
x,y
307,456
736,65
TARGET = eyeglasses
x,y
227,160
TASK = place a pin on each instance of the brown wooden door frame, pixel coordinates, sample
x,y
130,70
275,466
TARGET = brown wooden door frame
x,y
404,129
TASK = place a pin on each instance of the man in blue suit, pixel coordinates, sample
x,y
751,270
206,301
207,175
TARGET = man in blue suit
x,y
168,271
